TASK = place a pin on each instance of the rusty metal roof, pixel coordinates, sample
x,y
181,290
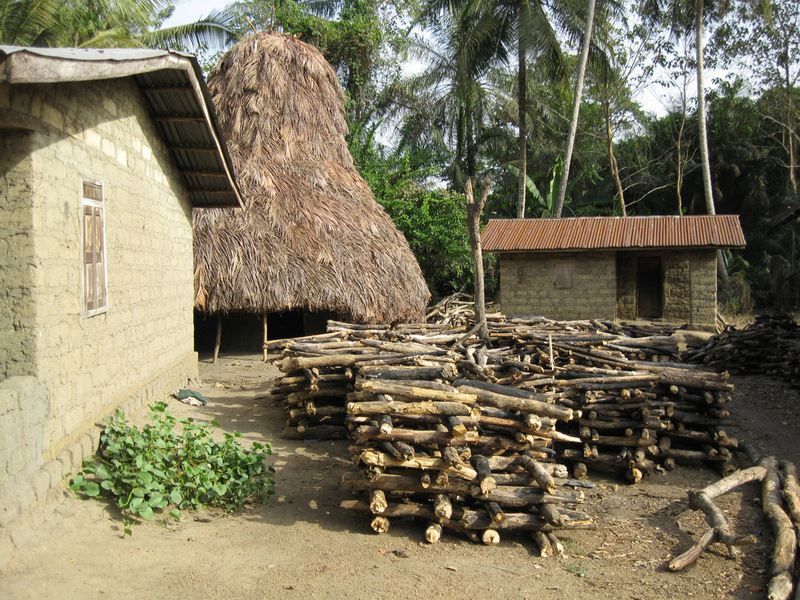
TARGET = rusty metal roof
x,y
176,95
612,233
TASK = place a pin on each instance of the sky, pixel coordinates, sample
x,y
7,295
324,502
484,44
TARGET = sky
x,y
190,11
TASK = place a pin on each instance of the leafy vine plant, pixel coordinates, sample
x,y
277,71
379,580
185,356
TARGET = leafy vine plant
x,y
157,468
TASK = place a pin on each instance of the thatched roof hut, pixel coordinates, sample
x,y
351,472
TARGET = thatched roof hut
x,y
312,236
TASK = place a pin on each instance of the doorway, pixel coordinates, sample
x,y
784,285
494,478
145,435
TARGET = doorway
x,y
649,288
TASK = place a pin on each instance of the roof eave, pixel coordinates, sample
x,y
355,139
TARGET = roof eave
x,y
49,65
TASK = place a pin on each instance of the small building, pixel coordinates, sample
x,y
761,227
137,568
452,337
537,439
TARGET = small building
x,y
103,155
651,268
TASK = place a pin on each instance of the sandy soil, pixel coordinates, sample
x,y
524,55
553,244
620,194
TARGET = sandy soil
x,y
302,545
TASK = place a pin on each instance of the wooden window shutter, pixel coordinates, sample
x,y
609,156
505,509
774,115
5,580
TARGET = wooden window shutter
x,y
94,263
563,274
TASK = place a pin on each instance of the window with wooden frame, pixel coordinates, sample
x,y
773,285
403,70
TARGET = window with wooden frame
x,y
563,274
95,295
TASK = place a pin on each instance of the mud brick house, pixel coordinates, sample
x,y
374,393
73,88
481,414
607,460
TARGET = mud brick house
x,y
653,268
103,155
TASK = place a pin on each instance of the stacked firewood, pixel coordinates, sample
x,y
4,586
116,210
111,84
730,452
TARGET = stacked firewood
x,y
768,346
477,436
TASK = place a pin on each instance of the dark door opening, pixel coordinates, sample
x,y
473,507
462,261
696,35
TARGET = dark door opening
x,y
649,288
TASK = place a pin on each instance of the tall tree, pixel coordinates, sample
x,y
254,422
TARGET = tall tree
x,y
576,107
446,105
690,15
764,37
678,13
105,24
532,28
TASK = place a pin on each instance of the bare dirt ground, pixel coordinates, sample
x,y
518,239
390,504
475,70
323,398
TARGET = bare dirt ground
x,y
302,545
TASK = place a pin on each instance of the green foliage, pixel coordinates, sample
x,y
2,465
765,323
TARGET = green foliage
x,y
433,220
150,469
435,225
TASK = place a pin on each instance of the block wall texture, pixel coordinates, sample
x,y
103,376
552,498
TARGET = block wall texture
x,y
142,347
690,286
527,286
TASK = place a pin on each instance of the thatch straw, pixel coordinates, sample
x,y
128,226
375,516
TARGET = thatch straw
x,y
311,235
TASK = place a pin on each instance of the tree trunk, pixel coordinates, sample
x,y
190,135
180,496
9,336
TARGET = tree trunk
x,y
474,210
722,271
612,160
522,101
576,109
701,108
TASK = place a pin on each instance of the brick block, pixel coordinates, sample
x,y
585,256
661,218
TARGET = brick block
x,y
39,481
8,510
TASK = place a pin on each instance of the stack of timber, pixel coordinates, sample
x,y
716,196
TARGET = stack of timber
x,y
478,435
768,346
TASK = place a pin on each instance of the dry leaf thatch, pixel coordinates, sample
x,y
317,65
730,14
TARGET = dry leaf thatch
x,y
311,236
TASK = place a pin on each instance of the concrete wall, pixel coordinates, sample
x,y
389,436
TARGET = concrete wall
x,y
527,285
142,346
690,286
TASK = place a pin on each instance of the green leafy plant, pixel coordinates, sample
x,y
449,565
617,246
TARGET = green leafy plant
x,y
156,467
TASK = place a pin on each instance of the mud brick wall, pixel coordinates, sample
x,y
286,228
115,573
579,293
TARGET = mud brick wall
x,y
142,347
690,286
537,284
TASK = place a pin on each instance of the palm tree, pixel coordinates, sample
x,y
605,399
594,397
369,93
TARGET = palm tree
x,y
29,22
105,24
678,13
524,28
684,16
446,106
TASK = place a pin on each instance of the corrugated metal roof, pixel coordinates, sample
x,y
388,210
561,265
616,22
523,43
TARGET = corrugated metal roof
x,y
612,233
176,95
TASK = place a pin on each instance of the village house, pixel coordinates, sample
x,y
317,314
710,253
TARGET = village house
x,y
103,155
659,268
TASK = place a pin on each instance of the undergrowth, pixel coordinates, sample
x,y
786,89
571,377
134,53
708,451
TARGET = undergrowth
x,y
156,467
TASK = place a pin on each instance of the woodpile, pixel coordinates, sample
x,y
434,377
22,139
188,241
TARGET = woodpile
x,y
780,499
478,436
768,346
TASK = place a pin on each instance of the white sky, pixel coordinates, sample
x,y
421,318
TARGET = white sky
x,y
189,11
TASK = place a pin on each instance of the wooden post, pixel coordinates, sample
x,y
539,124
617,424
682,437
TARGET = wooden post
x,y
219,337
265,337
474,210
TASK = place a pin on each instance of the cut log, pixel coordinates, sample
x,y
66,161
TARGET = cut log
x,y
543,542
555,543
486,482
503,495
496,513
380,524
433,533
379,459
490,537
783,556
408,408
537,407
543,479
442,506
377,501
551,514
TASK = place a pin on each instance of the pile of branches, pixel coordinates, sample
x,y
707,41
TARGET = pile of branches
x,y
768,346
780,499
479,435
